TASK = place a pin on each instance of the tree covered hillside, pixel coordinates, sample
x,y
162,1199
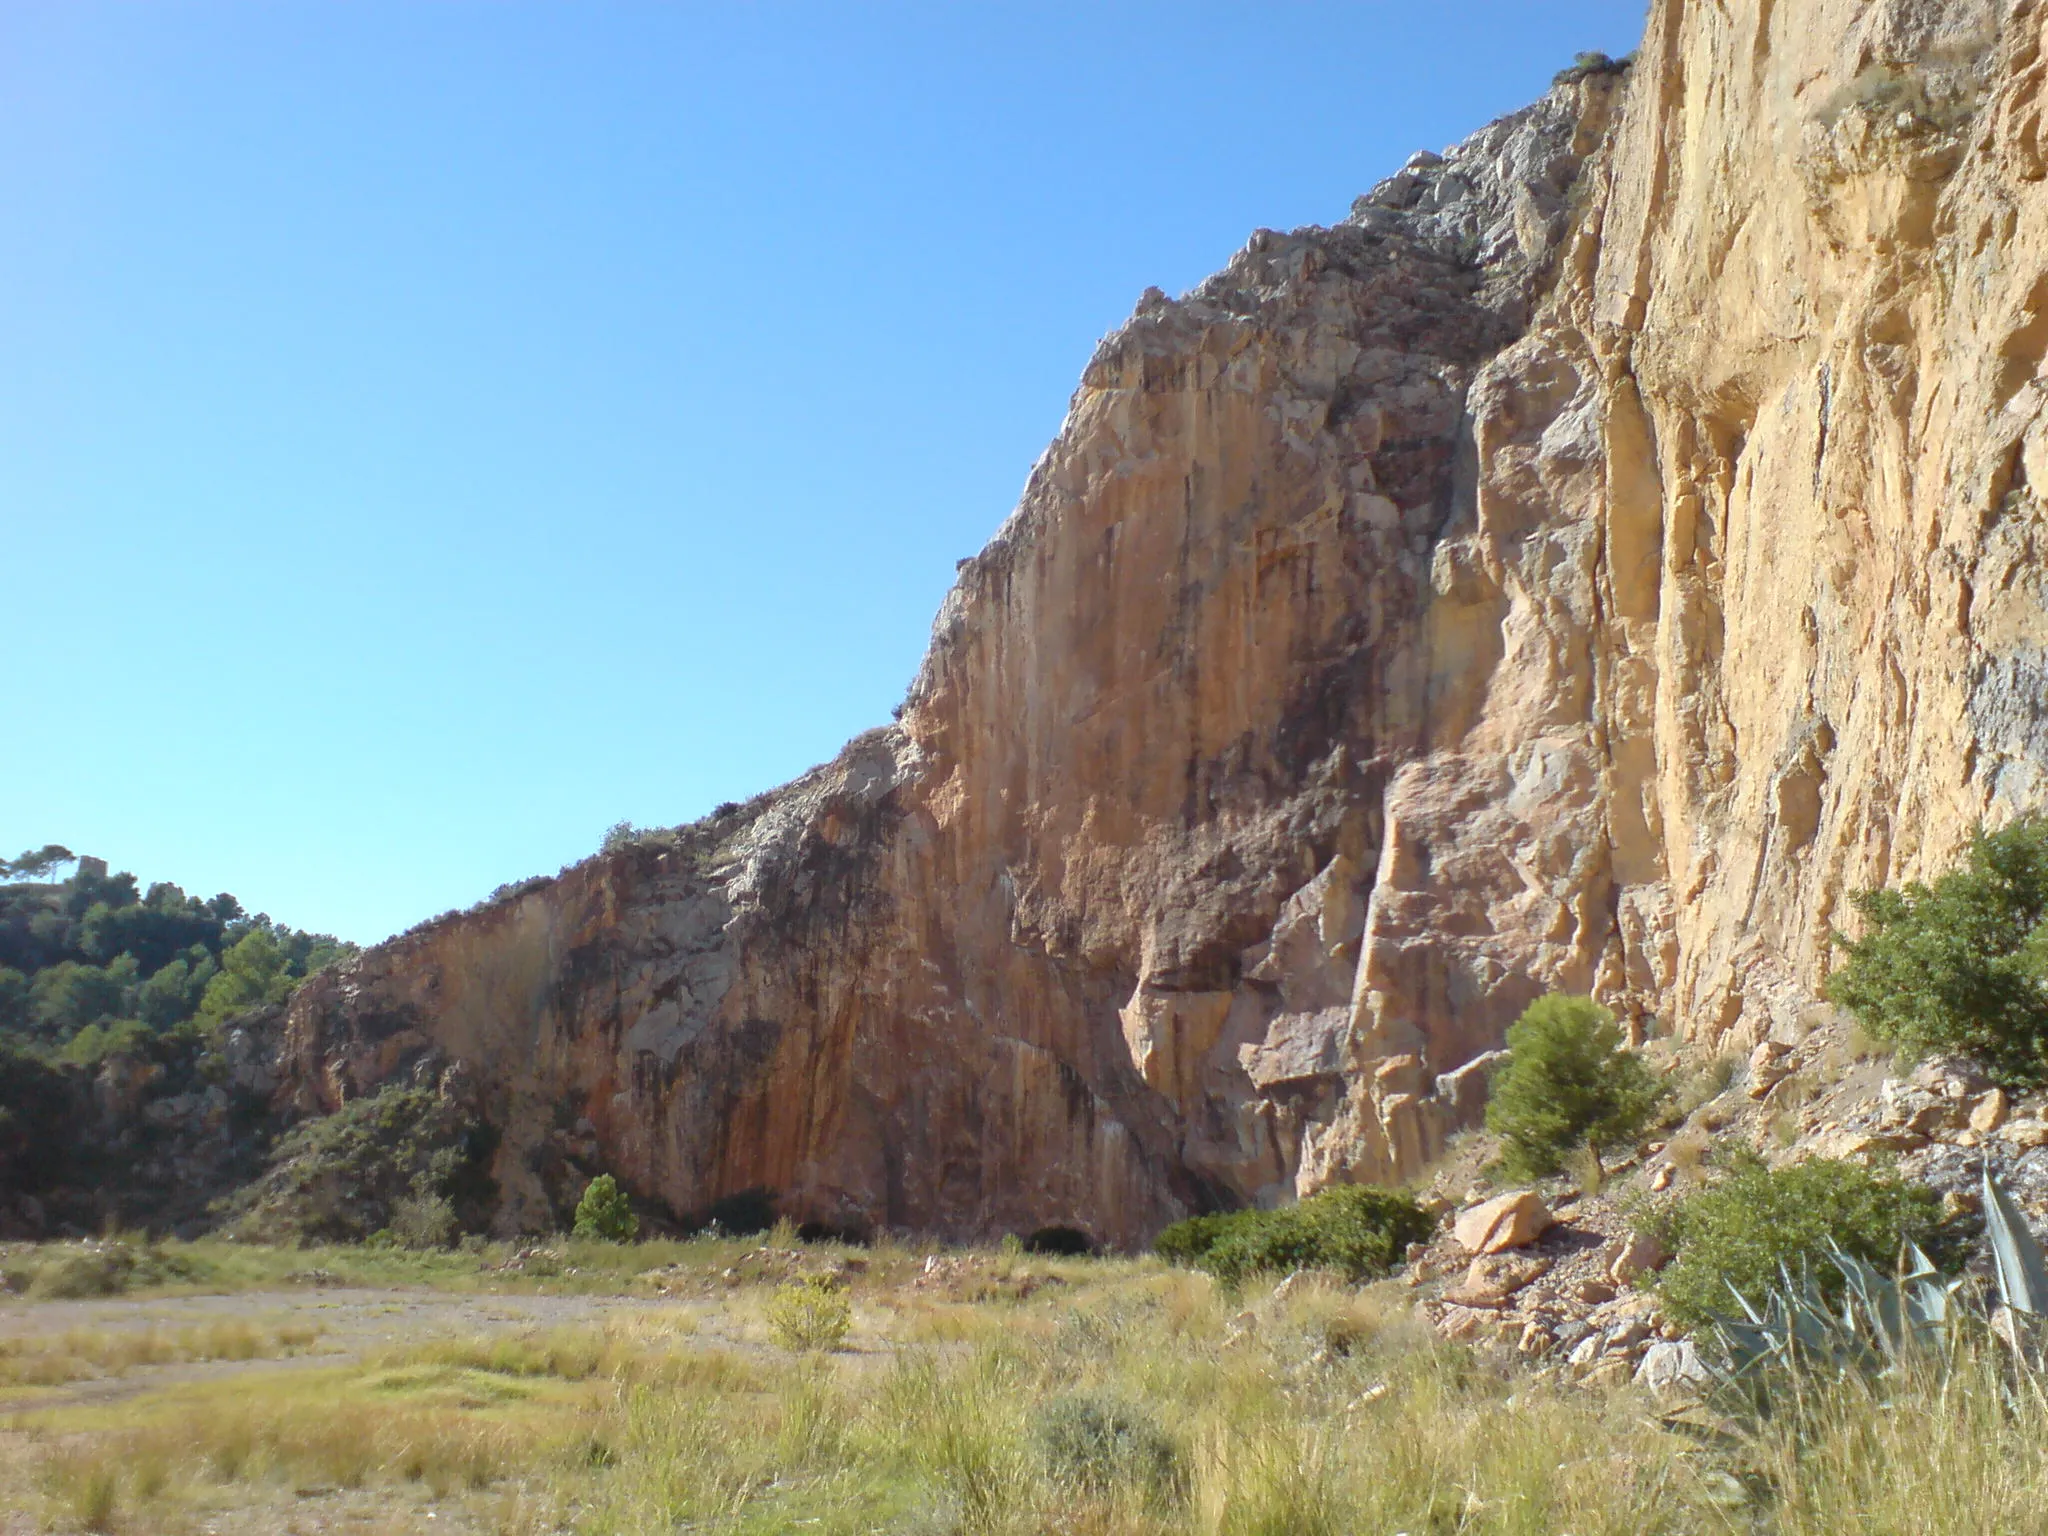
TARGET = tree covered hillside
x,y
93,965
125,1095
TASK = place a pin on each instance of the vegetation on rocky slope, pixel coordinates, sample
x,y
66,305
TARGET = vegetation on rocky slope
x,y
93,964
1735,1234
1961,965
409,1164
1567,1083
124,1094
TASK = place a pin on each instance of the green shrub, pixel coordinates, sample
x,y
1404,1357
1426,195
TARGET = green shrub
x,y
87,1273
1740,1228
90,1270
344,1176
605,1213
1567,1083
1102,1444
425,1220
1355,1229
1589,63
1186,1242
813,1314
1960,966
95,1043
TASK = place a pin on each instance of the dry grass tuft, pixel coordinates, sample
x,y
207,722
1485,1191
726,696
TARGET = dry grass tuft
x,y
78,1354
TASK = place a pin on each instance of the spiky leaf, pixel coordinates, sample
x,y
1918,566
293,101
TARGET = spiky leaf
x,y
2016,1257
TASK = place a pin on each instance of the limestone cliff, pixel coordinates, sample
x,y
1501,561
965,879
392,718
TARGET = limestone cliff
x,y
1577,569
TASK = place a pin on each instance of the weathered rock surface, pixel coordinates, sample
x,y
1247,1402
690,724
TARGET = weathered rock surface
x,y
1579,569
1512,1220
1493,1278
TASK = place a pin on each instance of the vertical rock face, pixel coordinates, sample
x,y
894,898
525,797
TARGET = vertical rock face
x,y
1578,569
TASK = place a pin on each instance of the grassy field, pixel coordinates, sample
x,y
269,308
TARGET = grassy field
x,y
564,1267
976,1392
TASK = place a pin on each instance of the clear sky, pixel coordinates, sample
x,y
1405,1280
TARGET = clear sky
x,y
432,432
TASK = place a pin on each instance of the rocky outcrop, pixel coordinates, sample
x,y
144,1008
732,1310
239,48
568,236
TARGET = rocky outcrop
x,y
1578,569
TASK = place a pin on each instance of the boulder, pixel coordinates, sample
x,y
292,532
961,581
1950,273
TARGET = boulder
x,y
1512,1220
1461,1324
1672,1367
1769,1065
2026,1133
1634,1256
1493,1278
1851,1143
1990,1111
1950,1076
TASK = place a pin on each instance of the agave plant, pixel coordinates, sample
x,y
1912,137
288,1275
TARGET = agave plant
x,y
2017,1262
1880,1318
1883,1319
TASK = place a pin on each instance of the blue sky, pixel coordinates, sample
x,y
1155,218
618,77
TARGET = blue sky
x,y
430,433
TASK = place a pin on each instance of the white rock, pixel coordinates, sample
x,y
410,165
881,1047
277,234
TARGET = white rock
x,y
1668,1366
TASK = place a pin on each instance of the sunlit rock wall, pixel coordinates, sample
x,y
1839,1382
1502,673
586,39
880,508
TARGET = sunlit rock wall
x,y
1580,568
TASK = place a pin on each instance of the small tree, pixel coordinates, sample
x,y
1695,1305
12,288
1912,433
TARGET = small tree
x,y
1960,966
1567,1083
254,970
605,1213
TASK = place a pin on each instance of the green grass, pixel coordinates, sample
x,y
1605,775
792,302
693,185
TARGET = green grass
x,y
50,1358
1110,1404
561,1266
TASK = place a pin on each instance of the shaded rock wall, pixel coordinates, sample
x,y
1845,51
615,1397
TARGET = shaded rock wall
x,y
1579,568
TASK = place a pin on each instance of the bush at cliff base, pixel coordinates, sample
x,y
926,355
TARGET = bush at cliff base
x,y
605,1213
1738,1230
1567,1083
408,1154
1359,1231
1961,965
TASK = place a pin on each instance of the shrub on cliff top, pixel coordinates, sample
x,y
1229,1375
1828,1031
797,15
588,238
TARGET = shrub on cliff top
x,y
1567,1083
1355,1229
1961,965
